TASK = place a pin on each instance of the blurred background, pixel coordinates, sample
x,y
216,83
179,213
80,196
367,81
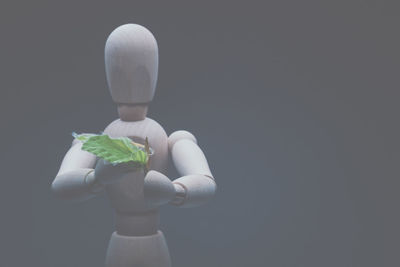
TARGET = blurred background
x,y
295,103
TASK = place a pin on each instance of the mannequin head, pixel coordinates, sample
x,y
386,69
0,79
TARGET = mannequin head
x,y
131,61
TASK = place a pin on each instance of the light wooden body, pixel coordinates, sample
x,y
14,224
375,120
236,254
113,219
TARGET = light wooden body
x,y
131,56
127,194
138,251
137,196
135,219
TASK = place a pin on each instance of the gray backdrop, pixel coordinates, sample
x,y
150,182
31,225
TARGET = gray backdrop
x,y
294,102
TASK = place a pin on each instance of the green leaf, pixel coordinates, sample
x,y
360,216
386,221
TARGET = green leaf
x,y
82,137
113,150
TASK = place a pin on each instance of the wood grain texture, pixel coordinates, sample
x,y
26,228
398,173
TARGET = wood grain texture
x,y
189,159
127,194
197,182
76,158
180,135
199,189
131,59
149,251
71,181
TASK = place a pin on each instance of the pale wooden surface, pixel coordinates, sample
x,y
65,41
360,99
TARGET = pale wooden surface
x,y
189,159
127,195
131,59
71,180
197,181
132,251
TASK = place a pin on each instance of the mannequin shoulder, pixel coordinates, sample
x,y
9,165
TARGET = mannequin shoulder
x,y
180,135
127,128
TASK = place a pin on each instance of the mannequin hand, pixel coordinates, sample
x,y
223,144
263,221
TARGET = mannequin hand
x,y
158,189
106,173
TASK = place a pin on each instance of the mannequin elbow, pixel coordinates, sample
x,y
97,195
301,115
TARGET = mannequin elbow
x,y
64,187
198,190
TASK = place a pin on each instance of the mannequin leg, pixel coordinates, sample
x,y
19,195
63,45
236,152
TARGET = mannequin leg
x,y
138,251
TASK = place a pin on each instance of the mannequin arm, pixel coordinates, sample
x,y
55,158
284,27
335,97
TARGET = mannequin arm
x,y
197,185
75,179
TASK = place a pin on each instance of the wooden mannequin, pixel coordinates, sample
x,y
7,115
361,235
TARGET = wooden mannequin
x,y
131,58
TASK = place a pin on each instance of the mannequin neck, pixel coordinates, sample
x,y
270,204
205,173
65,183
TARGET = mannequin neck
x,y
132,112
